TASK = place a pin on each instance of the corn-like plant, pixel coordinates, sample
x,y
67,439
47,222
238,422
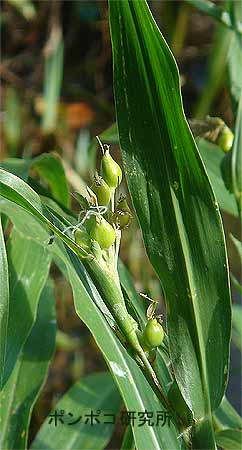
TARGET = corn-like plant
x,y
177,370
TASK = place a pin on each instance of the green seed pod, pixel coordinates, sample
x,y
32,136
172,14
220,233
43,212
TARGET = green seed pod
x,y
153,333
140,337
151,352
102,232
179,405
82,238
122,203
225,140
90,222
110,170
102,191
122,214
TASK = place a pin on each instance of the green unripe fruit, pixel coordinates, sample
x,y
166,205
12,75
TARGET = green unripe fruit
x,y
83,239
151,352
122,214
103,233
140,337
110,170
153,333
225,140
122,219
122,203
102,191
90,223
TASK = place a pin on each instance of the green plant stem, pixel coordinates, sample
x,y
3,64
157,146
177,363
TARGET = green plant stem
x,y
117,246
106,281
112,199
236,163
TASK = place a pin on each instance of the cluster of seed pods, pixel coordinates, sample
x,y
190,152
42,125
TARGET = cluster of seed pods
x,y
102,231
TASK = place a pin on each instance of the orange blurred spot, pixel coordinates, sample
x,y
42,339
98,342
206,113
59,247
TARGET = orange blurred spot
x,y
79,115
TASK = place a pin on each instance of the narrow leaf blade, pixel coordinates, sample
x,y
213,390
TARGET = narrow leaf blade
x,y
95,393
4,302
175,205
22,388
229,439
132,385
25,286
17,191
226,417
212,157
49,167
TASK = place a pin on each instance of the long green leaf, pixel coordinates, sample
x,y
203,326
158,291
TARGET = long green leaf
x,y
95,393
4,302
16,190
29,266
49,166
229,439
132,385
234,66
237,308
236,283
212,157
22,388
238,246
236,162
226,417
128,440
16,166
175,205
237,326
